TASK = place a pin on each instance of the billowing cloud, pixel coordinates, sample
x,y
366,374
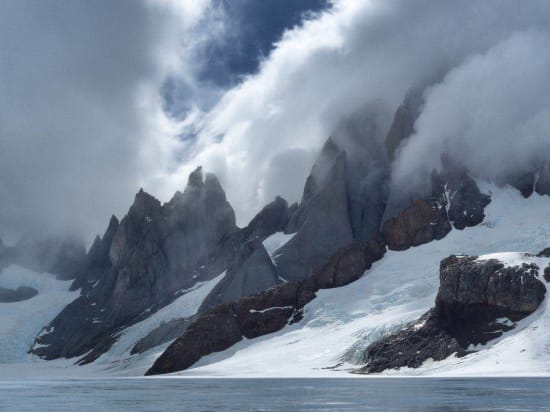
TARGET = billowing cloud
x,y
355,54
93,94
492,112
81,120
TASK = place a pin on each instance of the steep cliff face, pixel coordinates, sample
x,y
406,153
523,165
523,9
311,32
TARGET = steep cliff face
x,y
143,262
343,200
455,202
251,272
273,218
425,220
321,222
542,184
140,264
97,260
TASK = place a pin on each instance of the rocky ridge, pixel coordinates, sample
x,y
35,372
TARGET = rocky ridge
x,y
143,261
478,300
266,312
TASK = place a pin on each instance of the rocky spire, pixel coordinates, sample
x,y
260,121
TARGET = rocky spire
x,y
153,252
322,220
403,121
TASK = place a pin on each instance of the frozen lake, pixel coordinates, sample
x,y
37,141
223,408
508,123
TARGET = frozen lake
x,y
172,394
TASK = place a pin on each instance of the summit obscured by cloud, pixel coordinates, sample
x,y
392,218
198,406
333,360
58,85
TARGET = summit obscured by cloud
x,y
101,98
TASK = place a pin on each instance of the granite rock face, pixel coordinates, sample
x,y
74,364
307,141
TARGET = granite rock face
x,y
321,221
343,200
141,263
266,312
455,201
97,260
271,219
466,202
251,272
425,220
367,172
17,295
474,297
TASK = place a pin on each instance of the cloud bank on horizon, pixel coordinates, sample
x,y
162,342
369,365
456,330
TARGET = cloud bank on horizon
x,y
99,99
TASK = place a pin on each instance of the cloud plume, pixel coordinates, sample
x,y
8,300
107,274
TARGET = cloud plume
x,y
93,95
362,52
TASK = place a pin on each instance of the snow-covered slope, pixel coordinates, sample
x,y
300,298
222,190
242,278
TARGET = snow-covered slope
x,y
118,359
340,323
20,322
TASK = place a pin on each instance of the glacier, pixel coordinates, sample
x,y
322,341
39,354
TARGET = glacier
x,y
338,325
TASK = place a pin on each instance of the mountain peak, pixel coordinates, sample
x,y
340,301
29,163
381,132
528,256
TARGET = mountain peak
x,y
195,178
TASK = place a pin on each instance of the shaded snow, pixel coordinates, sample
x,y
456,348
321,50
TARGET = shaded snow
x,y
276,241
183,307
117,361
20,322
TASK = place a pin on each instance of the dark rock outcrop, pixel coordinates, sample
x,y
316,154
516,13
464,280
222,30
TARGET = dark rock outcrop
x,y
271,219
263,313
466,202
97,260
454,201
524,182
5,258
474,296
425,220
17,295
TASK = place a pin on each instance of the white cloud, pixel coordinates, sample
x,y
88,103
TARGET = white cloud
x,y
81,120
492,112
355,54
82,125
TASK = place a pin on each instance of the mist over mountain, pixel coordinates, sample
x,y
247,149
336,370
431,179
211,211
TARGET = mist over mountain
x,y
90,107
200,187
